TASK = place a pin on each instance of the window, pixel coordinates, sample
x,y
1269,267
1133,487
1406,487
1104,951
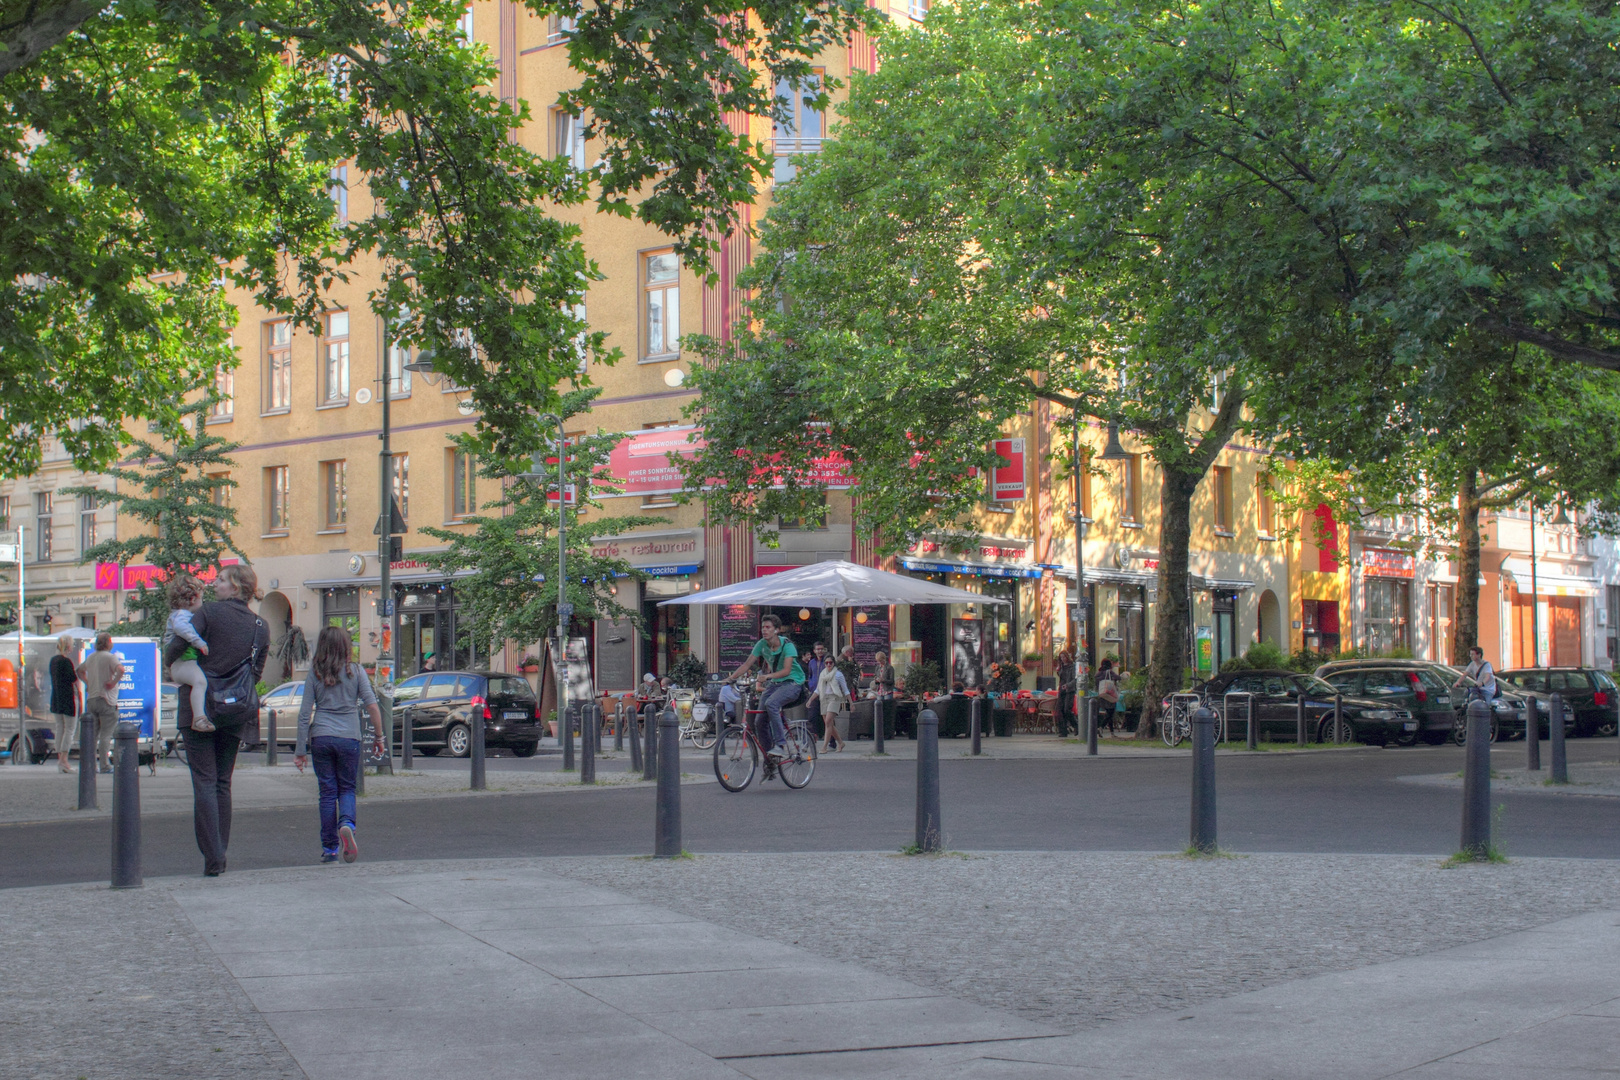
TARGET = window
x,y
1221,490
1085,483
570,133
1265,510
87,522
224,403
399,379
278,366
335,352
335,493
1130,506
220,493
463,480
5,511
42,524
402,484
810,522
338,188
662,278
802,131
917,9
559,28
1388,607
464,25
276,507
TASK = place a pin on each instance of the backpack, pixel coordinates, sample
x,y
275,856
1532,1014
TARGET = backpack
x,y
234,696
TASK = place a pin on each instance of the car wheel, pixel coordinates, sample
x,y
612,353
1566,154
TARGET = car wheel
x,y
457,740
1605,728
1406,738
1324,730
525,749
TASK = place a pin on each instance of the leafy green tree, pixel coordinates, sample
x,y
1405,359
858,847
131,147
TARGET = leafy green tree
x,y
511,593
178,492
152,151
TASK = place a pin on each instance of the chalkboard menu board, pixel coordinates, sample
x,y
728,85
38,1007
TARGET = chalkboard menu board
x,y
870,637
615,654
739,629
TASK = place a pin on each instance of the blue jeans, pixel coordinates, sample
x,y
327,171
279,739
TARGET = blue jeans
x,y
779,696
337,763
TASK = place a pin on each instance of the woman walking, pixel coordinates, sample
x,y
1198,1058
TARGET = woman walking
x,y
329,731
63,707
832,693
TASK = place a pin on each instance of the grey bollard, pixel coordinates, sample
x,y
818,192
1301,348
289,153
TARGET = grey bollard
x,y
1299,720
587,750
1202,838
1555,737
407,744
632,720
566,721
126,811
1476,811
1338,719
87,761
977,725
618,726
1093,716
1532,736
598,719
1253,741
928,825
476,751
649,757
877,725
270,742
667,841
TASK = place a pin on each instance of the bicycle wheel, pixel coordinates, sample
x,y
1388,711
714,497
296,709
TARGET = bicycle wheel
x,y
800,765
703,729
1171,726
735,759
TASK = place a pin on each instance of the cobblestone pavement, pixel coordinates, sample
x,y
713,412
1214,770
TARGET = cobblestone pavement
x,y
1075,940
1585,778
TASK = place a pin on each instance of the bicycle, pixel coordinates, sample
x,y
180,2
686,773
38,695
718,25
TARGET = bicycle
x,y
698,719
1176,725
738,750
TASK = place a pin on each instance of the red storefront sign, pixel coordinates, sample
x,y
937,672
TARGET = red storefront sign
x,y
109,578
1007,481
1396,564
640,464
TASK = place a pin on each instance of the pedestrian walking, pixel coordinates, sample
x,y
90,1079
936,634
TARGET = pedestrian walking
x,y
830,698
1066,716
335,691
100,674
812,674
1108,690
64,710
238,645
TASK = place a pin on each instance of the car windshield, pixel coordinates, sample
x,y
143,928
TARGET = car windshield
x,y
1603,680
1312,685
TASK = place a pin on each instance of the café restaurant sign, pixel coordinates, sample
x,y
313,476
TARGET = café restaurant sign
x,y
648,550
1381,563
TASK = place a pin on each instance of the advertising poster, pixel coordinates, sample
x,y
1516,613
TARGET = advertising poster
x,y
967,652
138,690
1204,654
1007,481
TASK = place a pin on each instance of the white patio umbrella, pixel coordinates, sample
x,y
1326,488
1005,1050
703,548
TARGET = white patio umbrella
x,y
834,584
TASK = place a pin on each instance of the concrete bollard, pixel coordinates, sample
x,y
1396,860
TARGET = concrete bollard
x,y
1338,719
929,835
407,745
1253,740
618,726
476,751
667,841
1532,736
632,720
877,725
587,750
977,724
1202,837
270,741
87,761
598,718
1476,810
649,758
1555,739
126,811
1299,720
566,721
1093,719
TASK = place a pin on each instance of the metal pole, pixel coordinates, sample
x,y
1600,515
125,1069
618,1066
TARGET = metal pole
x,y
587,756
1532,736
1555,735
126,812
649,759
618,726
667,835
1093,716
1476,811
565,735
1299,720
1338,719
1535,604
87,759
633,721
1202,837
565,610
877,724
928,823
476,751
1254,735
270,742
973,710
1082,668
21,754
385,581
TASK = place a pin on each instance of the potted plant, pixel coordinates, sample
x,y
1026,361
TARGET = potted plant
x,y
1032,661
529,664
922,681
688,672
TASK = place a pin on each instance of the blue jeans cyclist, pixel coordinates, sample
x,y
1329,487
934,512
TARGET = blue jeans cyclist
x,y
781,679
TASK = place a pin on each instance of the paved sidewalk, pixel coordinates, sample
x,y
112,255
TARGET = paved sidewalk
x,y
536,968
1585,777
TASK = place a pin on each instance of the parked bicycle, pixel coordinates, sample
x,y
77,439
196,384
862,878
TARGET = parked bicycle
x,y
740,747
1175,724
699,720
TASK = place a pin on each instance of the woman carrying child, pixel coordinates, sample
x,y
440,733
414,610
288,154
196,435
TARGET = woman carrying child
x,y
329,731
185,598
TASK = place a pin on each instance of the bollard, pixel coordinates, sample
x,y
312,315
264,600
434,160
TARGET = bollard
x,y
667,841
928,826
649,757
877,725
87,761
618,726
476,751
1093,718
1299,720
977,726
598,719
1338,719
407,744
1555,738
1253,741
1532,737
565,734
1203,781
270,743
587,751
1476,813
126,811
633,722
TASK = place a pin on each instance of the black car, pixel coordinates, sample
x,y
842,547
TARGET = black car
x,y
1592,693
439,706
1507,709
1411,685
1276,702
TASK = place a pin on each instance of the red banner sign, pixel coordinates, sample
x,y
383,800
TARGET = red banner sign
x,y
109,578
1007,481
640,465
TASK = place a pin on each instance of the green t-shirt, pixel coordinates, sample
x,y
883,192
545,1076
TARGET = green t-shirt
x,y
773,657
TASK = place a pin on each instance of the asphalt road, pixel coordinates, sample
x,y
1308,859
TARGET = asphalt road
x,y
1336,802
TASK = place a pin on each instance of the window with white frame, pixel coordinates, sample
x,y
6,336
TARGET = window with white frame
x,y
464,25
43,510
278,366
223,405
463,485
338,188
559,29
335,493
87,522
661,277
570,137
399,379
802,131
402,484
335,359
277,511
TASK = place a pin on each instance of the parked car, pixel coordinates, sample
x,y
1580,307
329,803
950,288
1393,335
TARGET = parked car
x,y
1276,700
1411,685
286,700
1590,692
1507,710
439,707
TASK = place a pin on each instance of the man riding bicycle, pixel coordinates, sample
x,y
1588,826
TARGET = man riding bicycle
x,y
781,679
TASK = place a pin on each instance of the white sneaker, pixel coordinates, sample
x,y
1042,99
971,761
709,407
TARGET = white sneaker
x,y
777,753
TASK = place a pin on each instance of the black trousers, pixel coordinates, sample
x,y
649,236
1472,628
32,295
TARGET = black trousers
x,y
1066,720
211,755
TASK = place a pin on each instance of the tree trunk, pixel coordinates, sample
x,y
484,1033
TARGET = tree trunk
x,y
1173,614
1466,628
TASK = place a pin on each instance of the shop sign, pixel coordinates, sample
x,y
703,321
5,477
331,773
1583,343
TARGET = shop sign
x,y
1396,564
1001,551
1007,481
641,464
108,575
644,552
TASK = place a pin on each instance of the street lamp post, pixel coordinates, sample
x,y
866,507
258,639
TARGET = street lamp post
x,y
565,610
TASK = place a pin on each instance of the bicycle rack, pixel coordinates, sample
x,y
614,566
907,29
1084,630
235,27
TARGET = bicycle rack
x,y
1193,703
1250,732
